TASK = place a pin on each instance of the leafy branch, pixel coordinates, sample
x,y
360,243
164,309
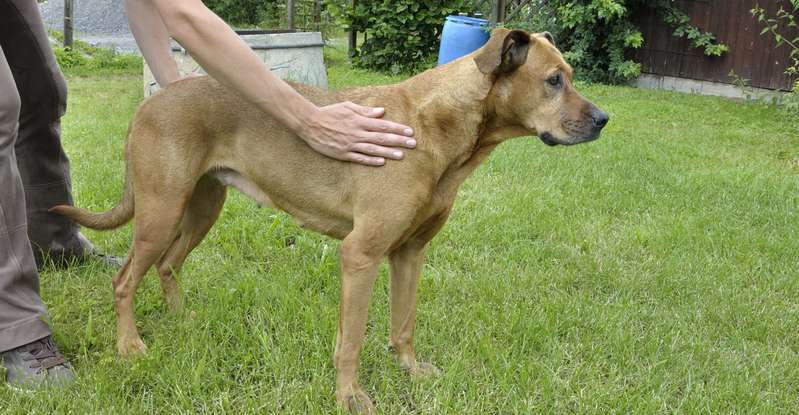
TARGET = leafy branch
x,y
772,25
684,29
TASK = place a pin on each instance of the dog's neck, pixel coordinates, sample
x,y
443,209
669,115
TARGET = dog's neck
x,y
457,102
456,108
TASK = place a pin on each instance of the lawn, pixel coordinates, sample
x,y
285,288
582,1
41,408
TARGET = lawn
x,y
652,271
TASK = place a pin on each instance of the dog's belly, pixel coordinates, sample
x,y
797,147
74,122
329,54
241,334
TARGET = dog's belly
x,y
306,217
232,178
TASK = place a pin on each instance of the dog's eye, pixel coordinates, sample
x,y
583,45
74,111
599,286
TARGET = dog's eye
x,y
554,80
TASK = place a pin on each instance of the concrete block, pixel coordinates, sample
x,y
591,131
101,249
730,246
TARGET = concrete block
x,y
669,83
291,56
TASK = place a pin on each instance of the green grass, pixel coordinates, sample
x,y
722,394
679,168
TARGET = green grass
x,y
652,271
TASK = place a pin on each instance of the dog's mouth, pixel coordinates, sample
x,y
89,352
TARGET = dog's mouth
x,y
548,139
551,141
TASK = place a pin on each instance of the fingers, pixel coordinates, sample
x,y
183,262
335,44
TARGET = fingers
x,y
364,159
375,124
388,140
376,151
351,132
386,127
365,111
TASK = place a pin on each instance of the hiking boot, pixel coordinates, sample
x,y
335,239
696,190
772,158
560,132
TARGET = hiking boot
x,y
78,251
37,364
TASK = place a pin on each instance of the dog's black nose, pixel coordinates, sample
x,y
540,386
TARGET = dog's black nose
x,y
600,118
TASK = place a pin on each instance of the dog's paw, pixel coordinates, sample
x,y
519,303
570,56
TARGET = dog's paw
x,y
355,401
131,347
423,370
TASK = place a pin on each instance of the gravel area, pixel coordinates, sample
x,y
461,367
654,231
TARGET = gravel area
x,y
98,22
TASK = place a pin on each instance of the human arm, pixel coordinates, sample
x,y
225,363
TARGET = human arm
x,y
343,131
153,39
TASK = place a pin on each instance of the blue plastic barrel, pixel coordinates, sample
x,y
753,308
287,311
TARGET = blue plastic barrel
x,y
461,36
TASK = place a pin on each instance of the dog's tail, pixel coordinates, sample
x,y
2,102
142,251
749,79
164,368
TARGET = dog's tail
x,y
112,219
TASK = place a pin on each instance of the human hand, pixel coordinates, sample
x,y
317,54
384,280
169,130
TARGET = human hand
x,y
350,132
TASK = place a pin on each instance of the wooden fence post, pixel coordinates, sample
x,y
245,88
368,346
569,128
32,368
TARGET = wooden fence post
x,y
498,11
353,36
68,23
290,13
317,14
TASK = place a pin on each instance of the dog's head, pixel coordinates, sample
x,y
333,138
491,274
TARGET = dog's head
x,y
532,88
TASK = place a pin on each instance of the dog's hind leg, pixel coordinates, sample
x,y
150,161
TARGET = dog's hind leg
x,y
157,220
123,275
406,266
200,214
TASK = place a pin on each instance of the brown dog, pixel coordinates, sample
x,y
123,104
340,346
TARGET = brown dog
x,y
189,142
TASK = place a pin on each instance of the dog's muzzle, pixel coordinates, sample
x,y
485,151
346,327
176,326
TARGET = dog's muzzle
x,y
548,139
599,119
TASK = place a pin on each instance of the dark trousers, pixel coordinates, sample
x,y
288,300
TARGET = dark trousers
x,y
34,171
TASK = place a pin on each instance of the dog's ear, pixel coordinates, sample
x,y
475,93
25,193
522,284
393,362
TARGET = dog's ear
x,y
548,36
505,52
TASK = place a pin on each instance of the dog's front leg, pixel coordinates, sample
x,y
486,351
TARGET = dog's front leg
x,y
359,264
406,267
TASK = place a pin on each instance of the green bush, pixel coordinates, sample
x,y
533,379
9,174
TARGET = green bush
x,y
400,35
597,36
246,12
83,59
790,101
69,58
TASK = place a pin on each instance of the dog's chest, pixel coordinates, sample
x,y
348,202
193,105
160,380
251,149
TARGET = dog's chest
x,y
433,215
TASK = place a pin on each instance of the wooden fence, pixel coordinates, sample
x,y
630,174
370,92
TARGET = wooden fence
x,y
752,56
